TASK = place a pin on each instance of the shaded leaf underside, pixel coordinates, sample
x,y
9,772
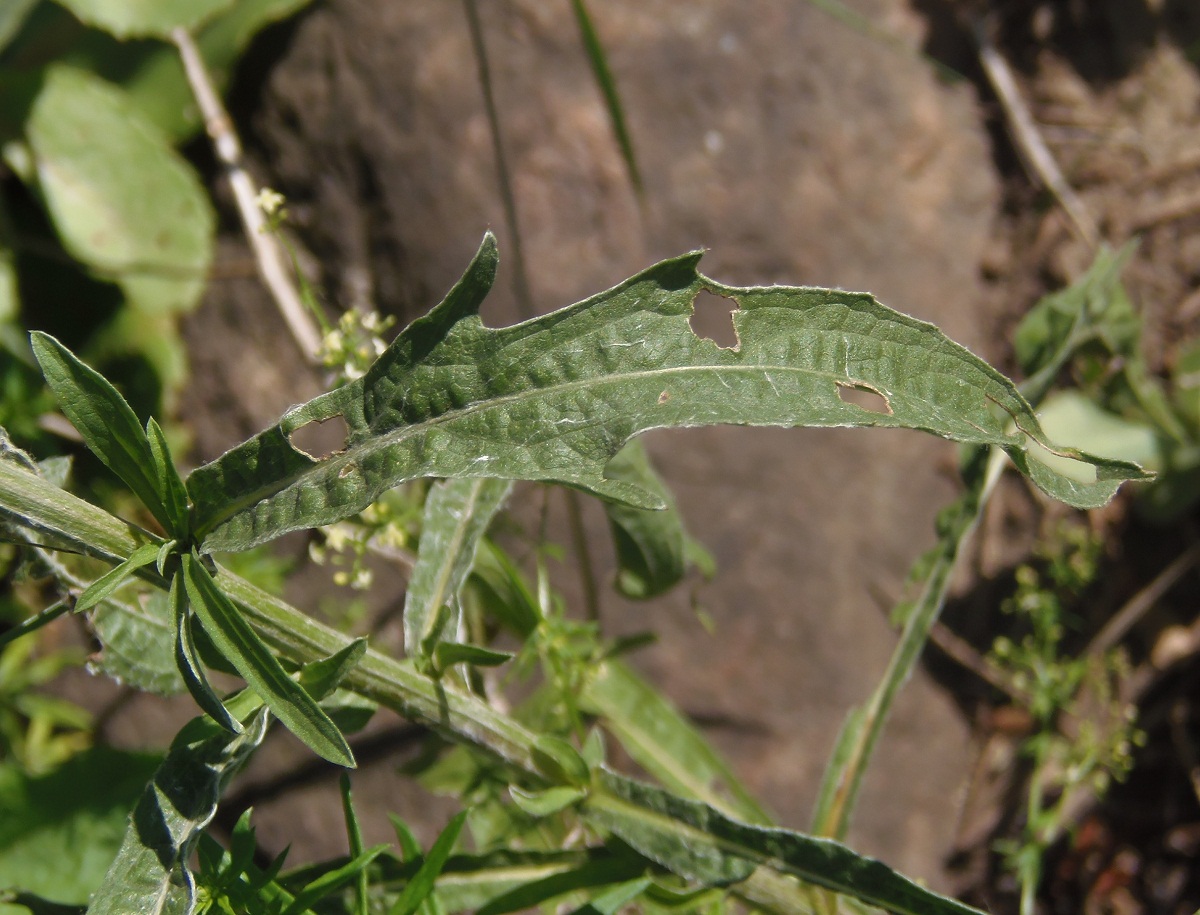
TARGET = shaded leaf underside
x,y
554,398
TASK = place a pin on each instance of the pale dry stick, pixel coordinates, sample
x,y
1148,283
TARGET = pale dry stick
x,y
273,265
1027,137
1136,607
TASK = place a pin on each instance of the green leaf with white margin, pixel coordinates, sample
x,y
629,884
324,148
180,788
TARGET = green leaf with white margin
x,y
104,419
122,200
651,546
663,742
144,18
187,659
150,874
554,398
700,843
106,584
243,648
457,515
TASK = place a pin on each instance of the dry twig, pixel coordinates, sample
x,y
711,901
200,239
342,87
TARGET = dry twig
x,y
273,265
1027,138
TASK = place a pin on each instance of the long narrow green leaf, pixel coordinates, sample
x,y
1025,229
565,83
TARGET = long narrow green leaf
x,y
103,417
663,742
554,398
457,515
171,491
602,867
106,584
151,874
613,900
240,644
187,659
332,881
422,883
700,843
651,546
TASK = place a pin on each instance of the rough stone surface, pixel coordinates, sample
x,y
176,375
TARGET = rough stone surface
x,y
797,150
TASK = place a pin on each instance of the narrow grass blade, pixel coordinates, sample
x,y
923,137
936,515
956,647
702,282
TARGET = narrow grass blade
x,y
700,843
106,584
554,398
547,876
663,742
105,420
151,875
457,515
422,883
191,667
608,88
240,644
1094,308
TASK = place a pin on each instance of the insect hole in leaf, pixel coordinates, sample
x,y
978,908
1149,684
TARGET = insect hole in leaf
x,y
712,319
864,397
320,440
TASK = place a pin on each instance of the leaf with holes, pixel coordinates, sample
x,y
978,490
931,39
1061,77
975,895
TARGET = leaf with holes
x,y
554,398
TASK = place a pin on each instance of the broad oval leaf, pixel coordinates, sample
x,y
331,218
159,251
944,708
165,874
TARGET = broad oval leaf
x,y
122,200
137,643
140,18
60,830
553,399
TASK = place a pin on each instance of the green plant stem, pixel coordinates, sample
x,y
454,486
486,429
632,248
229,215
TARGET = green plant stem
x,y
843,781
583,554
394,684
521,286
61,518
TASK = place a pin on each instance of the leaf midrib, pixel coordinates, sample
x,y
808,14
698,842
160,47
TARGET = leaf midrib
x,y
398,434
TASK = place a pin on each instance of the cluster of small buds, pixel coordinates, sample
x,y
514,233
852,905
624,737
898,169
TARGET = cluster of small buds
x,y
353,346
